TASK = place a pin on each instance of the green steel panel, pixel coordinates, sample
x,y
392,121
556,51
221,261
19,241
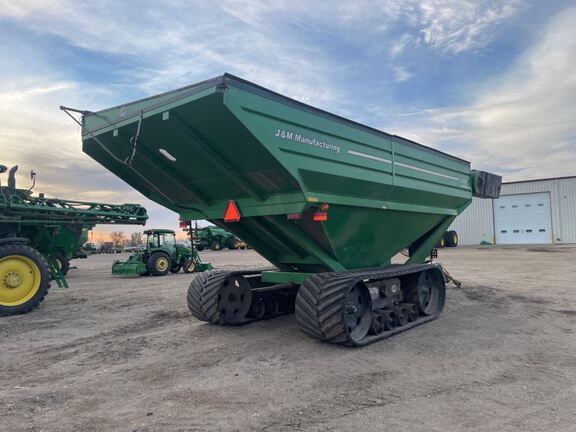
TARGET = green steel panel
x,y
227,139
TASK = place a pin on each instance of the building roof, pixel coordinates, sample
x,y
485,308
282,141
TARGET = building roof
x,y
540,180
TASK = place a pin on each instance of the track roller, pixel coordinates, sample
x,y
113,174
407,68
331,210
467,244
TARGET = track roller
x,y
412,311
378,324
390,319
401,315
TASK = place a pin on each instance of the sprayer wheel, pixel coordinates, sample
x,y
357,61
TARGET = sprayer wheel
x,y
24,279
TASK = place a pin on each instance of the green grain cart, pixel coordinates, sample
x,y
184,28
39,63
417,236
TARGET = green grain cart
x,y
38,237
328,201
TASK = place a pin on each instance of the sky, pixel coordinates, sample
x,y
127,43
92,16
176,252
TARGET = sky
x,y
493,82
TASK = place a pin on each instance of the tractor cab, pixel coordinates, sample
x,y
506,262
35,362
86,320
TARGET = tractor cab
x,y
161,239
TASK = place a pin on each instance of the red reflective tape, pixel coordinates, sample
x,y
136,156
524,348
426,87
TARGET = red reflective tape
x,y
294,216
231,214
320,216
184,224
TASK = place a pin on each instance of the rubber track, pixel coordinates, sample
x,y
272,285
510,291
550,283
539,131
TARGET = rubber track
x,y
203,295
203,298
320,303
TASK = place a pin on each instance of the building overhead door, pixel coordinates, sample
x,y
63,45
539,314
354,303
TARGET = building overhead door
x,y
523,219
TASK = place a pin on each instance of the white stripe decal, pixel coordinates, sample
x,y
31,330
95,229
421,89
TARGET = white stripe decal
x,y
426,171
379,159
367,156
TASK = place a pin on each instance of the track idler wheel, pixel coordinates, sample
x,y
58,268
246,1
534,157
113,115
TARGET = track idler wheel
x,y
427,291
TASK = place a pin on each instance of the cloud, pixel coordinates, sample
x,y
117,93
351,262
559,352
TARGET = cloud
x,y
522,124
401,74
455,26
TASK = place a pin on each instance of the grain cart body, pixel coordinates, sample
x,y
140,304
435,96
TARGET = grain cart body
x,y
310,191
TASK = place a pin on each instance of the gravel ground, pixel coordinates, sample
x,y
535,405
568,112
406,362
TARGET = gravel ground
x,y
125,354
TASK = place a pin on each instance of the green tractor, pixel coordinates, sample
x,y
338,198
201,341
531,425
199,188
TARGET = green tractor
x,y
162,255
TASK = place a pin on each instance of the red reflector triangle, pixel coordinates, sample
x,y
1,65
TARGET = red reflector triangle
x,y
232,214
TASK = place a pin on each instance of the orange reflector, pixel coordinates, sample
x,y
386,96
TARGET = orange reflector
x,y
232,214
320,216
324,206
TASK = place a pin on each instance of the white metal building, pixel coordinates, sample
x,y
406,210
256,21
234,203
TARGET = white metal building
x,y
527,212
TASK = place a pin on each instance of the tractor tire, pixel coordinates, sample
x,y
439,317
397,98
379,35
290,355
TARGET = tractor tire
x,y
175,267
189,266
451,239
232,243
158,264
62,263
24,279
441,243
215,245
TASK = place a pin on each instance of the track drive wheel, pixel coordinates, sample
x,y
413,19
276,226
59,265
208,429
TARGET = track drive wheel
x,y
334,309
427,290
220,297
158,264
24,279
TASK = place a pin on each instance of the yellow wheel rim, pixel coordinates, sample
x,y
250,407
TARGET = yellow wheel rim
x,y
20,280
58,264
455,238
162,264
191,267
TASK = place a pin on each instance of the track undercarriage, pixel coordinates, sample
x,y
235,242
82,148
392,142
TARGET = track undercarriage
x,y
352,308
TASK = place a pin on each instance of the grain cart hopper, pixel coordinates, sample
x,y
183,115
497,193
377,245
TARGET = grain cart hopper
x,y
38,235
328,201
161,255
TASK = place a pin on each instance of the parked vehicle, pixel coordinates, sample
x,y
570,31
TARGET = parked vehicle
x,y
326,200
39,236
160,256
216,238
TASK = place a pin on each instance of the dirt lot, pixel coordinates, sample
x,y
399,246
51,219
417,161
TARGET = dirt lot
x,y
125,354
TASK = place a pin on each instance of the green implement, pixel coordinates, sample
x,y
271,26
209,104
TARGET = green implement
x,y
39,236
327,200
161,256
